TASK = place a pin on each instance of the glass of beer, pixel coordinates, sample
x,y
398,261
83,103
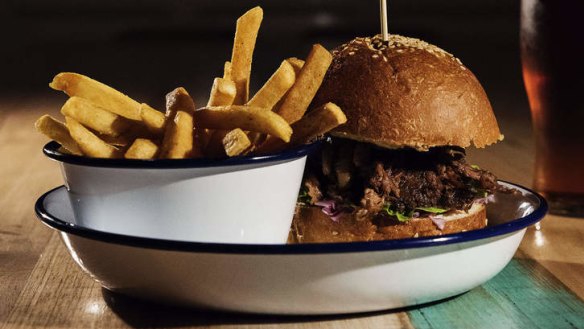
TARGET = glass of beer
x,y
552,54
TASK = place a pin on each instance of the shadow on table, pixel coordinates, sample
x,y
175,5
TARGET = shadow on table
x,y
139,313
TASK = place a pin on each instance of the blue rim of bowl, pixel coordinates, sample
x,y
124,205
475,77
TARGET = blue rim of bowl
x,y
51,150
291,249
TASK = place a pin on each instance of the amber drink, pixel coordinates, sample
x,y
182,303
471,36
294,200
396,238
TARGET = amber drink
x,y
552,52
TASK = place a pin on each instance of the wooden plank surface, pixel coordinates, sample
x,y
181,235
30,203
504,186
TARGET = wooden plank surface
x,y
523,295
41,287
24,175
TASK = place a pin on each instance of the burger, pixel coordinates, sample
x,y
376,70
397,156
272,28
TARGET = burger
x,y
397,168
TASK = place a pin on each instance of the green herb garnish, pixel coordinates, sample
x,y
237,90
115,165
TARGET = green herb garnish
x,y
400,216
303,196
433,210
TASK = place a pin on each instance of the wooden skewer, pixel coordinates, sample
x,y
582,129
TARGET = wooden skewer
x,y
383,15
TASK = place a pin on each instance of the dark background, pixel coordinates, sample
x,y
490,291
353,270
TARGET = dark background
x,y
147,48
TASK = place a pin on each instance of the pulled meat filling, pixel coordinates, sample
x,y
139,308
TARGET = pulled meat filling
x,y
373,179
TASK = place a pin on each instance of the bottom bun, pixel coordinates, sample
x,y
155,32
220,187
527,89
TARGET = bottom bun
x,y
312,225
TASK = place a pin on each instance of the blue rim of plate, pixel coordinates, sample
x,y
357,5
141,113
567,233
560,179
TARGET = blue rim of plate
x,y
291,249
51,150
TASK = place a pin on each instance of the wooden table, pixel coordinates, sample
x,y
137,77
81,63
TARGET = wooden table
x,y
40,286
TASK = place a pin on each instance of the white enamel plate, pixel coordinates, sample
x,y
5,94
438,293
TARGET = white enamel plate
x,y
297,279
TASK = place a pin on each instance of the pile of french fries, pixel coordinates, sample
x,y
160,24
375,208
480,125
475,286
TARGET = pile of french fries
x,y
104,123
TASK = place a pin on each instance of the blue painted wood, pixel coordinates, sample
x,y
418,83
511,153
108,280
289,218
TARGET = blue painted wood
x,y
523,295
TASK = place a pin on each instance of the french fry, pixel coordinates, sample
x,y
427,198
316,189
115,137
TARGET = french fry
x,y
58,132
246,32
74,84
178,99
89,143
298,98
296,63
222,93
121,141
273,90
267,97
142,149
152,119
235,142
178,140
227,70
94,117
244,117
315,123
103,122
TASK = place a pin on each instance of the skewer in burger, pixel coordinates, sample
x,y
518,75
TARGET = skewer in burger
x,y
397,168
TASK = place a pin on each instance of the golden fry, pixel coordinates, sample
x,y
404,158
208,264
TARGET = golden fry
x,y
296,63
58,132
273,90
121,141
178,140
317,122
246,33
94,117
244,117
235,142
314,124
74,84
152,119
142,149
222,93
227,70
178,99
89,143
127,138
103,122
298,98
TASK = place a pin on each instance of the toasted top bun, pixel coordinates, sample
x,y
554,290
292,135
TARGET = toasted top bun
x,y
407,93
311,225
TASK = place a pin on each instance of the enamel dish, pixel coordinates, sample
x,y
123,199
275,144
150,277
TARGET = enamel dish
x,y
297,279
203,200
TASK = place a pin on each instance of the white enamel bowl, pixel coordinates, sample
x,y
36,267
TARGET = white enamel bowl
x,y
296,279
236,200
